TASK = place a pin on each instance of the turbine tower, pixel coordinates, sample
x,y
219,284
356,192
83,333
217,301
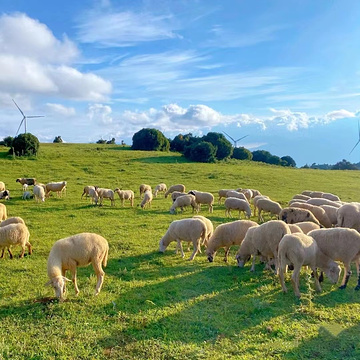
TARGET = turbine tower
x,y
24,117
358,140
235,141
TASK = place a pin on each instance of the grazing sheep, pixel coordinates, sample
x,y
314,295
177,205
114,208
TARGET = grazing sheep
x,y
302,250
28,181
125,195
292,201
209,228
222,194
330,196
331,212
39,193
72,252
203,198
143,188
160,188
190,230
307,226
236,194
14,234
301,197
263,240
178,187
176,194
318,212
248,194
183,201
26,195
294,228
105,194
294,215
320,201
232,203
146,202
316,194
2,186
5,194
3,212
94,196
307,192
12,220
86,190
256,199
255,192
268,205
348,216
340,245
58,187
226,235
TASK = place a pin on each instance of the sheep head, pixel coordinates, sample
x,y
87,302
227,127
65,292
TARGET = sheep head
x,y
58,283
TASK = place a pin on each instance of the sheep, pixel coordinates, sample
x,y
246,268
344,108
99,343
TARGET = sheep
x,y
302,250
331,212
340,245
306,226
294,228
39,193
183,201
28,181
143,188
294,215
58,187
222,194
232,203
160,188
236,194
148,196
264,240
178,187
125,195
25,187
209,228
203,198
348,216
318,212
292,201
226,235
26,195
301,197
2,186
191,230
255,192
14,234
307,192
248,194
5,194
94,196
12,220
268,205
86,190
316,194
320,201
176,194
71,252
105,194
3,212
331,197
256,199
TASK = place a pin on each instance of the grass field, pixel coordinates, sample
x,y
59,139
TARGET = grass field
x,y
153,305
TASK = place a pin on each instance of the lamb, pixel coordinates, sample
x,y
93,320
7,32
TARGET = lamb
x,y
176,194
268,205
263,239
183,201
331,197
226,235
319,201
2,186
143,188
105,194
3,212
160,188
203,198
307,226
39,193
71,252
294,228
348,216
125,195
318,212
14,234
5,194
222,194
302,250
232,203
331,212
190,230
340,245
178,187
236,194
148,196
86,190
295,215
58,187
28,181
26,195
209,228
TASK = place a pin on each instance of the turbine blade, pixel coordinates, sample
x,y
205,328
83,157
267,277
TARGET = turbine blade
x,y
228,136
354,147
359,128
34,116
18,107
242,138
20,125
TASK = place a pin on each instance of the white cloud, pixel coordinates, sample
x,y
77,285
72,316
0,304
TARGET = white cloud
x,y
61,109
339,114
100,113
292,120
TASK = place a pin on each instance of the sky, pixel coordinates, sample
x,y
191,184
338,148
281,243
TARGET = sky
x,y
286,73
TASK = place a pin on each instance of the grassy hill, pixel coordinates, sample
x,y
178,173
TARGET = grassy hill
x,y
160,306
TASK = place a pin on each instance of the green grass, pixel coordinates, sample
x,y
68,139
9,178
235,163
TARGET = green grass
x,y
160,306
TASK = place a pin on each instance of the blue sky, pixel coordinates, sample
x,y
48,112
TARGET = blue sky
x,y
285,73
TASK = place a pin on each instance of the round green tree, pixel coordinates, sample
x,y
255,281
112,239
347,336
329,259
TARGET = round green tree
x,y
241,153
25,145
151,140
202,152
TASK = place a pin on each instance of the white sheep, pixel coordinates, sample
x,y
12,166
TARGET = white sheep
x,y
226,235
2,186
25,187
256,199
307,192
3,212
331,212
316,194
294,228
39,193
320,201
318,212
236,194
12,220
255,192
340,245
190,230
58,187
302,250
248,194
176,194
292,201
222,194
232,203
12,235
348,216
183,201
125,195
143,188
203,198
267,205
330,196
209,228
72,252
94,196
146,202
86,190
26,195
306,226
160,188
301,197
177,187
105,194
295,215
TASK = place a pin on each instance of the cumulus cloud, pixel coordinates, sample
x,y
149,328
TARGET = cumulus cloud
x,y
100,113
339,114
61,109
292,120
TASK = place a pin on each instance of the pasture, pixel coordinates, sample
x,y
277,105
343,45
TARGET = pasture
x,y
153,305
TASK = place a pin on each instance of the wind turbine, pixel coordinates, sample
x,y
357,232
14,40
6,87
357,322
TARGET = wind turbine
x,y
235,141
24,117
358,140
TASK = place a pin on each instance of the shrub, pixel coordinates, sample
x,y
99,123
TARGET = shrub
x,y
241,153
58,139
224,148
202,152
25,145
151,140
288,161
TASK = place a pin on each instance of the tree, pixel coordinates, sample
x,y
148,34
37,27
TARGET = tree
x,y
288,161
344,165
180,141
112,141
25,145
223,146
8,141
58,139
150,139
101,141
261,155
201,151
241,153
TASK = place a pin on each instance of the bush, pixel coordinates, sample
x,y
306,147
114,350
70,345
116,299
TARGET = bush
x,y
25,145
202,152
58,139
223,146
288,161
241,153
151,140
180,141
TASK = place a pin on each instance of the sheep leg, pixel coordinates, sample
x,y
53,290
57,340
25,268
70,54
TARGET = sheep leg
x,y
2,253
196,249
239,214
179,246
347,273
295,281
10,253
357,262
22,251
100,276
227,250
281,276
29,248
253,262
72,268
211,210
316,278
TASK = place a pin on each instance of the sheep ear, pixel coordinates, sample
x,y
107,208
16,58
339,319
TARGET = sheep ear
x,y
66,279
